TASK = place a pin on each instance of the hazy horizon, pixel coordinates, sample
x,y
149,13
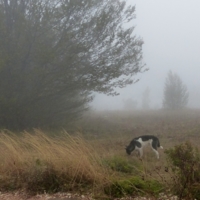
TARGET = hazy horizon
x,y
171,42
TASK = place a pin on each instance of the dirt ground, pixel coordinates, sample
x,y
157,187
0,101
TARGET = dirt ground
x,y
68,196
57,196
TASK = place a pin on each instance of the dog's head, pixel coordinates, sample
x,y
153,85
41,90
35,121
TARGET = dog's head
x,y
130,148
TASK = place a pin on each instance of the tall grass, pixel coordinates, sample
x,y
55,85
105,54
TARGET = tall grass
x,y
97,159
38,162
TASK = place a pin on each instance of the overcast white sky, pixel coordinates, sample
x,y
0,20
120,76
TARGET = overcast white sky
x,y
171,33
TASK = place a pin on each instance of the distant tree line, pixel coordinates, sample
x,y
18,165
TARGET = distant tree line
x,y
55,54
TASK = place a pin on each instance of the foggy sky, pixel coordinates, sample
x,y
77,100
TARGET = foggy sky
x,y
171,33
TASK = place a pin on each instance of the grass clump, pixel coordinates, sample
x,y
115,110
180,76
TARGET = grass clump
x,y
185,165
133,187
38,163
120,164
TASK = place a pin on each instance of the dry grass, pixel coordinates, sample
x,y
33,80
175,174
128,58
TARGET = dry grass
x,y
42,161
76,161
117,128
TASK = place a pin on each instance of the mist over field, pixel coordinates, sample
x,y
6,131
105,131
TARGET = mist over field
x,y
82,81
146,52
171,42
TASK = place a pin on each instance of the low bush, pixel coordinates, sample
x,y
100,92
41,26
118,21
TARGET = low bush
x,y
120,164
185,165
133,187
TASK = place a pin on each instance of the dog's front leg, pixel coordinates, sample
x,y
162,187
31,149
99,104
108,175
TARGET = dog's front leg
x,y
140,152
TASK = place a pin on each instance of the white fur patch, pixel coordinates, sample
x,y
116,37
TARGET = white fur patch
x,y
144,143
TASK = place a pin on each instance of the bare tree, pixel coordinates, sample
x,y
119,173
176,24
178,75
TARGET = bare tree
x,y
175,92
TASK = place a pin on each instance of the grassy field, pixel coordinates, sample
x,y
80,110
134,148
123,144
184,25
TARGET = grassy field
x,y
89,156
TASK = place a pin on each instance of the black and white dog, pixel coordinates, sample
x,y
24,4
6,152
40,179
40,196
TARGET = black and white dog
x,y
139,142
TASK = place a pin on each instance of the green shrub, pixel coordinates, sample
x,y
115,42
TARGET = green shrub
x,y
119,164
185,165
134,186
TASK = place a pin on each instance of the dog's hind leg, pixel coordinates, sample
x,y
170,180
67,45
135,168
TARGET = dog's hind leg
x,y
156,152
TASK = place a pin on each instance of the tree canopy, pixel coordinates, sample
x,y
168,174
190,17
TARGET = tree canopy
x,y
55,53
175,92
